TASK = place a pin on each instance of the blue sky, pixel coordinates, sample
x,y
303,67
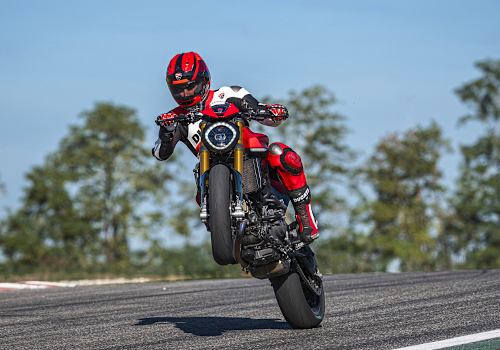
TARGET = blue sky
x,y
391,64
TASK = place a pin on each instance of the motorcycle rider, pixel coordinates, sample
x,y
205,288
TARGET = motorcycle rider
x,y
188,80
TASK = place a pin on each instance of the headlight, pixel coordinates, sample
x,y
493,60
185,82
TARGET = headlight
x,y
220,137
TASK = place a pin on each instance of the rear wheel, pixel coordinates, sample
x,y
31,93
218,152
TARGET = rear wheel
x,y
219,203
300,296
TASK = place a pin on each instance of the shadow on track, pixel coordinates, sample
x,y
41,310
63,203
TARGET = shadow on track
x,y
212,326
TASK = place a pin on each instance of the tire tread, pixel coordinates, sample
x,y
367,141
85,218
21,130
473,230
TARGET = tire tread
x,y
220,219
292,302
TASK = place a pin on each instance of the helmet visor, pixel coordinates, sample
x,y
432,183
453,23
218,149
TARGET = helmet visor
x,y
186,91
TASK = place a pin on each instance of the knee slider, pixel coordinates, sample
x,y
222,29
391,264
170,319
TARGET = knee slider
x,y
275,149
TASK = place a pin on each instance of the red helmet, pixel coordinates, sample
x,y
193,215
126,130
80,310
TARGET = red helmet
x,y
188,79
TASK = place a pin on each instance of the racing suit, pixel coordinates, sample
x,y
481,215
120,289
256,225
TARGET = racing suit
x,y
281,158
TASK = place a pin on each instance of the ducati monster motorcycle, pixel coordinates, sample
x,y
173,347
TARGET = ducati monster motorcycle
x,y
245,213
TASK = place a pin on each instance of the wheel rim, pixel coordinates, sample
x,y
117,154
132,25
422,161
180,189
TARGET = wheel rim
x,y
308,283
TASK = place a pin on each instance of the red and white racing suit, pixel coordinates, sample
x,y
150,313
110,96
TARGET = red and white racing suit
x,y
280,157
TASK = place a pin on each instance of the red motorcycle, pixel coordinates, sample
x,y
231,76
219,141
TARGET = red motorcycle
x,y
243,205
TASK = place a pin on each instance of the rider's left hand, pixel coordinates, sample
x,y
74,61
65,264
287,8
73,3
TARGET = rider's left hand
x,y
278,111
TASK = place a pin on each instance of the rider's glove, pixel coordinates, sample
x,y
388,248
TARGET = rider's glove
x,y
278,111
166,121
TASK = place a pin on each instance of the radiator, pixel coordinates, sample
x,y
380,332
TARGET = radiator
x,y
252,177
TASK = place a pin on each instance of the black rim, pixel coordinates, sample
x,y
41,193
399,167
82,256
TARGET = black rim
x,y
313,298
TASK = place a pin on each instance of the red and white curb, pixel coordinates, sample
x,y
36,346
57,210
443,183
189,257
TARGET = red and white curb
x,y
34,285
44,285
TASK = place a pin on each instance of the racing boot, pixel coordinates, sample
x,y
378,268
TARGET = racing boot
x,y
308,225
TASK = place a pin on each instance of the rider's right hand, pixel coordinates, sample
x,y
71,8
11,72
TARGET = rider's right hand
x,y
166,121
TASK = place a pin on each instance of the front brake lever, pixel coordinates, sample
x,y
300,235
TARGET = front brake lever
x,y
253,115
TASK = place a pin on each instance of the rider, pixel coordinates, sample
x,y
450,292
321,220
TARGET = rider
x,y
188,79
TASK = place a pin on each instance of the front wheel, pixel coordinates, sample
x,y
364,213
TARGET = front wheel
x,y
300,297
219,203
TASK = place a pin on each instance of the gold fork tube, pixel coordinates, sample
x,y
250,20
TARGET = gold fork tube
x,y
238,153
204,154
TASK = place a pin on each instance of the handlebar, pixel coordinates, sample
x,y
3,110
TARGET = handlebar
x,y
192,117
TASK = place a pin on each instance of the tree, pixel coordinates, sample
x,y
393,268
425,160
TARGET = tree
x,y
475,225
114,175
90,196
404,216
2,187
47,231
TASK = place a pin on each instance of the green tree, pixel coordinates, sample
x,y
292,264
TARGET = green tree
x,y
47,232
184,216
475,225
405,216
2,187
114,174
191,261
90,196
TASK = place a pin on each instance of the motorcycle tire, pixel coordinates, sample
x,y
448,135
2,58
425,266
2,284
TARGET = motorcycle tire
x,y
219,202
301,308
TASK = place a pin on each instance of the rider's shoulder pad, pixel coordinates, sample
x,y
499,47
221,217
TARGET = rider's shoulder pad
x,y
231,91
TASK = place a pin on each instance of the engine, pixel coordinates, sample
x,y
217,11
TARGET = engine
x,y
264,234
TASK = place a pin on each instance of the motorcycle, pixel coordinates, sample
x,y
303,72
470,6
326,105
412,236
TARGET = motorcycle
x,y
243,208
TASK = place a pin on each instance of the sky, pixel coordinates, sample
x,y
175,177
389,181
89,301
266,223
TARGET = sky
x,y
391,64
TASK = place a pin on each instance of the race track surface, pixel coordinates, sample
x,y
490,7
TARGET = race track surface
x,y
367,311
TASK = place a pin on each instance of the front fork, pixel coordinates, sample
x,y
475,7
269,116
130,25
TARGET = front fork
x,y
237,212
204,166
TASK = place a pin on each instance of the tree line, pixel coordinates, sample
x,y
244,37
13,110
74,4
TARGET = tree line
x,y
102,188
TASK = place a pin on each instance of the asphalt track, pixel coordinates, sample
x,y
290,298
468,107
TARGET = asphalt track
x,y
367,311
